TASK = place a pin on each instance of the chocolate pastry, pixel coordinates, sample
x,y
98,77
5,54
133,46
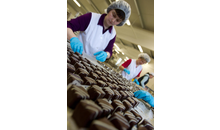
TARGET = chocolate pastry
x,y
89,81
82,72
131,101
89,69
127,105
75,56
118,106
85,112
96,92
130,118
100,83
124,95
114,82
79,65
104,74
77,53
121,87
102,124
119,121
98,72
117,95
136,101
93,75
85,63
70,68
142,128
110,85
116,86
147,124
109,79
83,59
75,94
108,93
71,77
68,60
93,67
105,105
73,60
103,78
137,115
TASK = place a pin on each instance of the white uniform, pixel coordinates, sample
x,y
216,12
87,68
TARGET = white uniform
x,y
93,39
133,70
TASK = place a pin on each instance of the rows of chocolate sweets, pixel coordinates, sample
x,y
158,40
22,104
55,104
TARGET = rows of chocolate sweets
x,y
107,104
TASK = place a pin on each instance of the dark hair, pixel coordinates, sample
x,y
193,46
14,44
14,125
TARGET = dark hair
x,y
120,14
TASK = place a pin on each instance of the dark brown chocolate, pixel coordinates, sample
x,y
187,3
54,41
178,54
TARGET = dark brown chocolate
x,y
130,118
82,72
71,77
117,95
70,68
119,121
75,94
108,93
102,124
118,106
147,125
95,92
105,105
89,81
100,83
93,75
85,112
127,105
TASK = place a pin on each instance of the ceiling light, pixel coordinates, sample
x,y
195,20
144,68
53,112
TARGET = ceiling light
x,y
77,3
117,46
127,58
128,22
119,60
140,48
116,51
122,53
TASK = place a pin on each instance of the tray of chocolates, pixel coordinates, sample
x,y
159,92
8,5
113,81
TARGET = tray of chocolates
x,y
100,98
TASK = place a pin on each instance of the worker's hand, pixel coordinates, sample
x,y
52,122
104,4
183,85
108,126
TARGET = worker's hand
x,y
146,96
127,71
76,45
101,56
136,81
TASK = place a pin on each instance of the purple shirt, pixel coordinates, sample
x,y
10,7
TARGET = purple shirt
x,y
82,22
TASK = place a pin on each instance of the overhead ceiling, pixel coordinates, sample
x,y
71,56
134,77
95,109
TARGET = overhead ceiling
x,y
141,30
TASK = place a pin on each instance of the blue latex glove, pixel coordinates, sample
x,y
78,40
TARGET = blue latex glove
x,y
146,96
101,56
136,81
127,71
76,45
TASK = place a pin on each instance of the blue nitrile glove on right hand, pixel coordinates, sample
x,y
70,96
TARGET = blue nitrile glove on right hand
x,y
127,71
146,96
136,81
76,45
101,56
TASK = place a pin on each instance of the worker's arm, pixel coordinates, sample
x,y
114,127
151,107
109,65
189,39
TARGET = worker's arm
x,y
70,33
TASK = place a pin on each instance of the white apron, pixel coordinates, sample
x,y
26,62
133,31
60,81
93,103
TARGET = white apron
x,y
133,70
92,38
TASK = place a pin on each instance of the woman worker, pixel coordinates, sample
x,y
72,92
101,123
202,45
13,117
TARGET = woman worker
x,y
132,67
97,32
145,78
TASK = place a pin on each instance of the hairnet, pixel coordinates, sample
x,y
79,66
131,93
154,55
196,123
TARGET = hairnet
x,y
145,56
151,73
122,5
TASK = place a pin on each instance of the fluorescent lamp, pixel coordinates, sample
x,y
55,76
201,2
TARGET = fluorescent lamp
x,y
116,51
117,46
128,22
122,53
140,48
119,60
127,58
77,3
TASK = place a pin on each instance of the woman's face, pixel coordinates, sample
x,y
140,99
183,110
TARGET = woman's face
x,y
141,61
112,18
151,76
